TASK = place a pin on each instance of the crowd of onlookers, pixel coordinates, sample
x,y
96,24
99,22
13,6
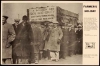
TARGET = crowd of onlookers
x,y
29,42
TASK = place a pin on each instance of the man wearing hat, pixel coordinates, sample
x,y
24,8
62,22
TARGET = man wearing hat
x,y
47,33
54,41
8,35
24,39
15,26
79,39
41,47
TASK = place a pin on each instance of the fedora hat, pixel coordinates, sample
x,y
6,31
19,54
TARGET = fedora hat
x,y
5,17
25,17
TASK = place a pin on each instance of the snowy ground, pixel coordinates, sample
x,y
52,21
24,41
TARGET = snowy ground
x,y
75,59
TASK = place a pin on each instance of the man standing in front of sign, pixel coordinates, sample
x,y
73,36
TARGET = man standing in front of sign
x,y
24,39
15,26
54,41
8,36
47,36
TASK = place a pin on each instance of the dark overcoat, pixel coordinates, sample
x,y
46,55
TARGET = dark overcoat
x,y
24,38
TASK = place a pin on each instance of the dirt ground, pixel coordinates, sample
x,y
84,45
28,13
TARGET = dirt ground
x,y
75,59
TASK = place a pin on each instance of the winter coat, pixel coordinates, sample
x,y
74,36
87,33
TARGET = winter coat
x,y
24,38
52,44
8,35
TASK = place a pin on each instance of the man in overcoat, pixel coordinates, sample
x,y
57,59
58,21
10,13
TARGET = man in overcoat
x,y
41,47
54,41
24,39
47,33
15,26
8,35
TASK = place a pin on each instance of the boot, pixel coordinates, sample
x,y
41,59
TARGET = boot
x,y
8,61
3,61
52,54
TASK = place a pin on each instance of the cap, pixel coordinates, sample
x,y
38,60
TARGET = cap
x,y
25,17
5,17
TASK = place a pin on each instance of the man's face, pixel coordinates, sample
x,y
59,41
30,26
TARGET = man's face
x,y
17,22
25,20
50,25
55,25
3,19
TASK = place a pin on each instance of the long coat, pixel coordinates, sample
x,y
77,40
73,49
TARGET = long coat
x,y
37,39
8,36
24,38
65,39
51,44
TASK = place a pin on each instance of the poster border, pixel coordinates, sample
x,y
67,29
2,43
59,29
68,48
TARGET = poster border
x,y
52,0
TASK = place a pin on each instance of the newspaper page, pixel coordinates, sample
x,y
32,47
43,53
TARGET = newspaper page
x,y
50,32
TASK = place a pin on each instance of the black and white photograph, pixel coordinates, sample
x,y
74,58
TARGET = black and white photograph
x,y
42,33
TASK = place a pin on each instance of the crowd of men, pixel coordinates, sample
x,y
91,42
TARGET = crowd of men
x,y
29,42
